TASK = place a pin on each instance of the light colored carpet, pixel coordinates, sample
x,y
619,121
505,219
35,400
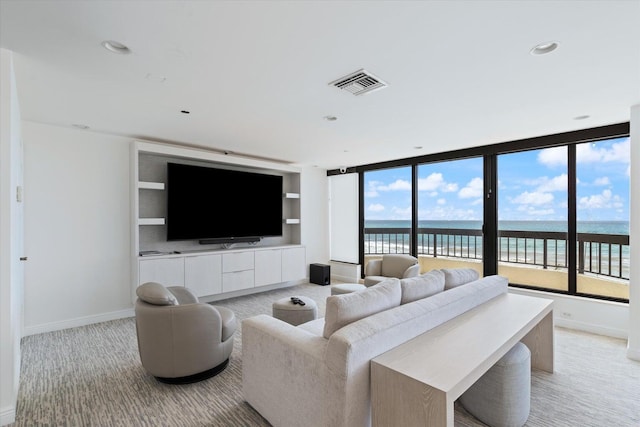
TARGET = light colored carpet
x,y
91,376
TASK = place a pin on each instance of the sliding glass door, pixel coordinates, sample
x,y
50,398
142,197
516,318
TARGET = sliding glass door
x,y
450,214
388,211
533,218
603,218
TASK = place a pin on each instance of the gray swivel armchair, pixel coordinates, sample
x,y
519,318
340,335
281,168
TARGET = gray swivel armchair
x,y
181,340
399,266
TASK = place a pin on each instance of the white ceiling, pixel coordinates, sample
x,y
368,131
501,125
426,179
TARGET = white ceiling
x,y
255,74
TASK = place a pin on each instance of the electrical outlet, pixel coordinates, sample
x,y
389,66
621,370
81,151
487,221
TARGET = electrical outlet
x,y
566,314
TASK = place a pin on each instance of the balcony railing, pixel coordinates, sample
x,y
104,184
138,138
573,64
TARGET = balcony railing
x,y
602,254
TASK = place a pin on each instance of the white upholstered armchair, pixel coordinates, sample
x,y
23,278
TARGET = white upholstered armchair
x,y
399,266
180,339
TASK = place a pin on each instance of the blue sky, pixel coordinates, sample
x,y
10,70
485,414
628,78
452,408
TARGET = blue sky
x,y
532,185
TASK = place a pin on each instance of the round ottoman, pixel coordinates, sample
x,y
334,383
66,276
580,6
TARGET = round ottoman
x,y
502,396
346,288
295,314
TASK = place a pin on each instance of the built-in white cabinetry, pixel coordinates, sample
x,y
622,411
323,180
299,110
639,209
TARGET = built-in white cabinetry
x,y
168,271
268,266
203,274
208,269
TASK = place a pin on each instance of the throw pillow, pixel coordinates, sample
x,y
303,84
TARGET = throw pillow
x,y
155,293
347,308
454,277
425,285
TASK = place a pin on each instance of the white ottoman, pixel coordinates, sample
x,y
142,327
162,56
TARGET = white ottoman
x,y
346,288
502,396
295,314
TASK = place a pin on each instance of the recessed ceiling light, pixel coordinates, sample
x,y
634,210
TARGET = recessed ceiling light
x,y
330,118
585,116
80,126
116,47
544,48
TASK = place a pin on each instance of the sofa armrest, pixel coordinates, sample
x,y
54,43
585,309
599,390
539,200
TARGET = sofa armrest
x,y
283,371
373,268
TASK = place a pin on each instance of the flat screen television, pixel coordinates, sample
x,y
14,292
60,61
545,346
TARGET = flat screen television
x,y
222,206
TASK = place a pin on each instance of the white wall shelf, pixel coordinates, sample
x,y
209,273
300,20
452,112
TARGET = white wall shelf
x,y
150,221
151,185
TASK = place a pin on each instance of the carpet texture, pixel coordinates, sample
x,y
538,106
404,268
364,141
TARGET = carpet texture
x,y
92,376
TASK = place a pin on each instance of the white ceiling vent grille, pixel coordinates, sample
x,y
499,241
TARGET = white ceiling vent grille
x,y
359,82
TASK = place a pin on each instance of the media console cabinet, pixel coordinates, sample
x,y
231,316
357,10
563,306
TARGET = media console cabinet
x,y
210,273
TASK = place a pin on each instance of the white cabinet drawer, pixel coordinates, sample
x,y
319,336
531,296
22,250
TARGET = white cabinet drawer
x,y
237,261
237,280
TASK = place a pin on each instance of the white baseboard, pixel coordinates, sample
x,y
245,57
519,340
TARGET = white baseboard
x,y
78,321
590,327
7,415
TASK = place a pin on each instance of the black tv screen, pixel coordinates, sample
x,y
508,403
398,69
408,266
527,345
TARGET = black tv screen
x,y
210,203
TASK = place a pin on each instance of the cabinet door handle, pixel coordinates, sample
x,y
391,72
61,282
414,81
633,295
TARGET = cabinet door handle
x,y
23,258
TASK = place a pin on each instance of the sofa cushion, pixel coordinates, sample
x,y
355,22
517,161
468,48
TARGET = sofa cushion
x,y
347,308
155,293
425,285
454,277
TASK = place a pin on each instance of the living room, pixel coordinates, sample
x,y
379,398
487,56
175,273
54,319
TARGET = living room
x,y
76,108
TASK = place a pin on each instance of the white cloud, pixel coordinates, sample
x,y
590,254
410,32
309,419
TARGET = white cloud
x,y
376,207
533,198
442,201
590,153
557,183
604,200
474,188
602,181
435,182
397,185
587,153
556,156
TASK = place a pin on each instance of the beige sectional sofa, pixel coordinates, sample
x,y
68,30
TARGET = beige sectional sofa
x,y
318,373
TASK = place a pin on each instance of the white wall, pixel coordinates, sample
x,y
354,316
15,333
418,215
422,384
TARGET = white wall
x,y
314,213
11,241
77,233
633,345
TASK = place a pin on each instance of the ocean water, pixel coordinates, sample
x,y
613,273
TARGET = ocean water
x,y
599,227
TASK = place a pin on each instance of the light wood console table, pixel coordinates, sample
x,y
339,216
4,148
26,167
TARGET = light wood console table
x,y
417,383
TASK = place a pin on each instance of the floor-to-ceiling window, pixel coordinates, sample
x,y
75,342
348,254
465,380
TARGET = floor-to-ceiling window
x,y
387,212
550,212
602,206
450,212
533,217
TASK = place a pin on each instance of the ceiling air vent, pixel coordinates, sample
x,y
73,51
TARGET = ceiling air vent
x,y
359,82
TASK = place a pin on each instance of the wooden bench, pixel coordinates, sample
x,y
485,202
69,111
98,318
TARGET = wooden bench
x,y
417,383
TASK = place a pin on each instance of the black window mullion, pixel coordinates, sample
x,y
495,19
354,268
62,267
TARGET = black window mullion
x,y
490,214
572,223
